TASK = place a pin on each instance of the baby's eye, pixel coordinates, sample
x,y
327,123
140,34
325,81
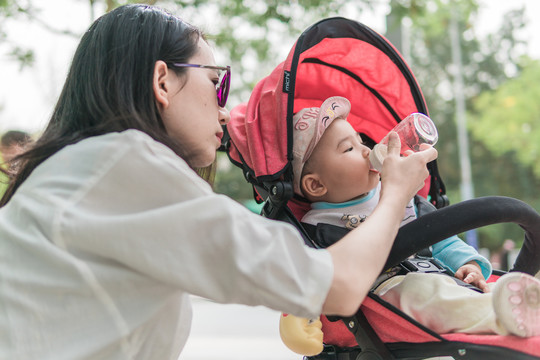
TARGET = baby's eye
x,y
349,149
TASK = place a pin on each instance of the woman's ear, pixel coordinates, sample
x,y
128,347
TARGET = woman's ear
x,y
160,85
312,186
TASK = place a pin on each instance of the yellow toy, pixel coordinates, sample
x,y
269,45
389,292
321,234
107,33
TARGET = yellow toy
x,y
301,335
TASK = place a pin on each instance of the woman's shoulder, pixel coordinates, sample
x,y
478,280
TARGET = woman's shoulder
x,y
136,148
119,155
127,138
131,143
114,166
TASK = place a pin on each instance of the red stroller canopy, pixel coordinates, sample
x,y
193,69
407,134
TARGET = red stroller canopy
x,y
346,59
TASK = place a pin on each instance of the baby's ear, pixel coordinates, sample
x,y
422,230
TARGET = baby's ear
x,y
312,187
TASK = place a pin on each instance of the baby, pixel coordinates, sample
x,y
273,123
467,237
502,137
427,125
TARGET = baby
x,y
332,171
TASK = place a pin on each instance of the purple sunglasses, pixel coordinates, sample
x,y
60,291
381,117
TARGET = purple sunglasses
x,y
222,88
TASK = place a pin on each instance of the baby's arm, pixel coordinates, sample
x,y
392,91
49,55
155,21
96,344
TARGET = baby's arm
x,y
455,255
471,273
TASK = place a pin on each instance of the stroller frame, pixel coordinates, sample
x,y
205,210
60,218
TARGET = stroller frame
x,y
272,182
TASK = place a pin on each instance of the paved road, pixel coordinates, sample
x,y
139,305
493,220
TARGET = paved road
x,y
234,332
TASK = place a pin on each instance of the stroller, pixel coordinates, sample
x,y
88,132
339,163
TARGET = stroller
x,y
341,57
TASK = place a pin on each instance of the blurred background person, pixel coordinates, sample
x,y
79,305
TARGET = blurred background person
x,y
12,144
503,258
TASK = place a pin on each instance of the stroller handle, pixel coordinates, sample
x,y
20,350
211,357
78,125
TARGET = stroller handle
x,y
441,224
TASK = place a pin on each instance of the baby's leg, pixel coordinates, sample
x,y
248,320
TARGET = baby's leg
x,y
438,303
516,300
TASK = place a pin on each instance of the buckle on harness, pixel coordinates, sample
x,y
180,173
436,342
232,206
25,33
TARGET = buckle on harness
x,y
331,352
421,264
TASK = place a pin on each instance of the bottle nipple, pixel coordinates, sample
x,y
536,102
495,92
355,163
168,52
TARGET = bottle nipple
x,y
377,155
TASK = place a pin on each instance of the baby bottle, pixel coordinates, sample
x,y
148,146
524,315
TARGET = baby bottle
x,y
414,130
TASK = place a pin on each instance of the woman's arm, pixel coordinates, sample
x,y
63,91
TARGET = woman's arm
x,y
359,257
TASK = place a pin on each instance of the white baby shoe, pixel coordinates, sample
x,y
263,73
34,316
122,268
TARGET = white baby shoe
x,y
516,301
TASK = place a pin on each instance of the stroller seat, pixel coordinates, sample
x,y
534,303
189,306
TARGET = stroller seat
x,y
379,326
341,57
405,338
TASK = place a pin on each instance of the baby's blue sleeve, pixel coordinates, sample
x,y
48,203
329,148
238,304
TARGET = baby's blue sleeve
x,y
453,253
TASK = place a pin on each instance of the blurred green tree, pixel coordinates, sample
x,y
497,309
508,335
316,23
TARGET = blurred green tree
x,y
488,62
507,120
506,123
12,9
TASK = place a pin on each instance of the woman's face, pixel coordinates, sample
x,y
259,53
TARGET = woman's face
x,y
193,116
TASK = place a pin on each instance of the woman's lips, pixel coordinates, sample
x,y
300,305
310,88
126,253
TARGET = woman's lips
x,y
219,136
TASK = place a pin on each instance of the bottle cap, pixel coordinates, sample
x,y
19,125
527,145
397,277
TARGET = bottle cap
x,y
425,128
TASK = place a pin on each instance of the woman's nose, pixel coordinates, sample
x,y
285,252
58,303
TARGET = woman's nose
x,y
224,116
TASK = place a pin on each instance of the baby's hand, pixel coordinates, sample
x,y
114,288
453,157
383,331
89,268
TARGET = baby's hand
x,y
471,273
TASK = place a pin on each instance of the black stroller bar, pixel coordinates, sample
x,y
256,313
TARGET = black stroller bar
x,y
467,215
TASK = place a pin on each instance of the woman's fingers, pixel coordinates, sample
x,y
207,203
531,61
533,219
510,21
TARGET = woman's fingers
x,y
394,144
405,173
428,152
427,155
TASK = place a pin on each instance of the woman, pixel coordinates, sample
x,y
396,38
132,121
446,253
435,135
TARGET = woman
x,y
106,228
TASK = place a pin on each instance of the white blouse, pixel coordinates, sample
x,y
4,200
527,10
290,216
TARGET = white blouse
x,y
102,244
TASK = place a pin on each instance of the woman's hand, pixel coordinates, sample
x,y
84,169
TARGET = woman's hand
x,y
403,177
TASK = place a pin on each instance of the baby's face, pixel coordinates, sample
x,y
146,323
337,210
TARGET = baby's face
x,y
342,162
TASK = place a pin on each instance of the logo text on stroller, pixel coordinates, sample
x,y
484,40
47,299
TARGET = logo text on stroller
x,y
286,81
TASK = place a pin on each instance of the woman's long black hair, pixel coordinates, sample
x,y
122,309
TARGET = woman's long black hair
x,y
109,85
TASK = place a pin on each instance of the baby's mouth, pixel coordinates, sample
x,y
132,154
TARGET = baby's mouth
x,y
372,168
